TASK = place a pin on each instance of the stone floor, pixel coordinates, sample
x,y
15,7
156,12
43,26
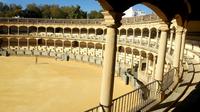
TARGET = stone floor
x,y
50,85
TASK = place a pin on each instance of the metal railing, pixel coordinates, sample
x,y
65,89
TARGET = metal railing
x,y
134,100
131,20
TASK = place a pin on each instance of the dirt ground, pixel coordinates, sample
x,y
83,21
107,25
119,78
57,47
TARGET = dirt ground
x,y
50,85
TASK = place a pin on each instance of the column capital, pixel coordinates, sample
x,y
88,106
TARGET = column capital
x,y
164,27
112,19
179,30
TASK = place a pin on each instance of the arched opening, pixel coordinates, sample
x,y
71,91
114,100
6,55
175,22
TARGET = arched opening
x,y
90,45
128,50
22,42
138,32
75,44
3,29
120,49
83,44
13,42
99,31
67,31
75,31
41,29
153,33
23,30
83,31
4,42
145,32
98,46
67,43
32,30
50,43
13,30
58,43
58,30
32,42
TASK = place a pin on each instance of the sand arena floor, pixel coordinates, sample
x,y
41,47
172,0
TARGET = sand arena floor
x,y
50,85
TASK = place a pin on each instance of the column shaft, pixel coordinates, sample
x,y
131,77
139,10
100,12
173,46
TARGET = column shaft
x,y
161,55
177,49
108,68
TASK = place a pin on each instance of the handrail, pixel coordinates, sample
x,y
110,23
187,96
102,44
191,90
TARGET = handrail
x,y
134,100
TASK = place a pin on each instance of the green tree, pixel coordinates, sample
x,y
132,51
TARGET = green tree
x,y
95,14
56,12
32,11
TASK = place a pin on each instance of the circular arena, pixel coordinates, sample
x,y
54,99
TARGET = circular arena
x,y
51,65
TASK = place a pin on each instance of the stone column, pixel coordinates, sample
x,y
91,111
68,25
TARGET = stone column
x,y
133,36
27,31
18,42
161,52
125,55
28,43
140,62
157,38
37,43
177,50
147,64
171,40
149,38
183,44
8,30
37,31
154,66
8,43
18,30
112,21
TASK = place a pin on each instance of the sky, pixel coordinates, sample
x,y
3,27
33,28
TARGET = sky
x,y
86,5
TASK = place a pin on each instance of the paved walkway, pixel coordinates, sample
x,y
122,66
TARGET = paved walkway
x,y
177,100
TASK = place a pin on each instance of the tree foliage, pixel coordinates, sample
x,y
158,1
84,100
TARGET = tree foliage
x,y
47,11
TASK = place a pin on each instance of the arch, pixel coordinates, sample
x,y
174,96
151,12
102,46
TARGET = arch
x,y
91,31
75,44
13,42
143,54
130,32
58,30
50,30
75,31
83,44
41,29
153,33
135,52
22,42
58,43
145,32
150,56
50,42
83,31
3,42
98,46
90,45
120,49
138,32
32,42
41,42
122,31
67,30
13,30
157,10
32,29
3,29
128,50
99,31
67,43
23,29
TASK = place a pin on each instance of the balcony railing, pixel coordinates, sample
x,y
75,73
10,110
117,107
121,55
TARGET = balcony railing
x,y
134,100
